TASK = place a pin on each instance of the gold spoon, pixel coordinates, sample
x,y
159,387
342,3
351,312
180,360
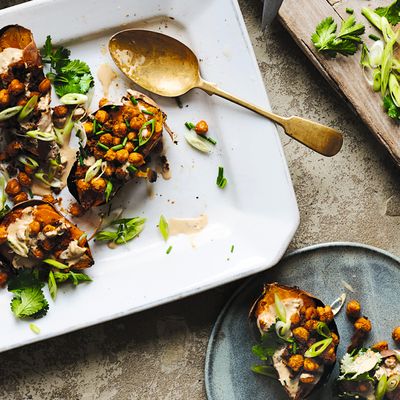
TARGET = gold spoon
x,y
165,66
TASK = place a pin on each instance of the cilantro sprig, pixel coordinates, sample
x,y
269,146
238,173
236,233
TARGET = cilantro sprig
x,y
68,76
345,42
392,12
126,230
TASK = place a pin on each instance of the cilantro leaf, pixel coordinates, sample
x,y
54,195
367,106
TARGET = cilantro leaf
x,y
345,42
392,110
392,12
57,58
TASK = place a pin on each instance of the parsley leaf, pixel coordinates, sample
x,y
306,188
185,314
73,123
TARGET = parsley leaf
x,y
128,229
392,12
392,110
68,76
345,42
28,300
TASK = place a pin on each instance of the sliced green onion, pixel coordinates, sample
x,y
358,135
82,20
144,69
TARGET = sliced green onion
x,y
144,141
349,10
318,348
34,328
163,226
376,75
41,176
376,53
44,136
381,388
3,194
279,308
232,248
100,132
392,383
221,180
198,142
374,37
127,123
364,61
125,141
266,370
9,112
190,125
323,330
74,98
211,140
394,89
55,263
169,249
102,146
117,147
144,111
108,190
131,169
28,108
52,285
372,17
387,57
282,329
134,101
93,170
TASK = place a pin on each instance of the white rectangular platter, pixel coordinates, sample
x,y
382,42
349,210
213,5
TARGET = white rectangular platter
x,y
257,210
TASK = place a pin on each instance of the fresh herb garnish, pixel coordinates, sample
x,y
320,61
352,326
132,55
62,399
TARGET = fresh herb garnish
x,y
190,125
68,76
108,190
74,277
221,180
134,101
102,146
211,140
55,263
34,328
125,141
169,249
349,10
28,300
374,37
144,111
126,230
131,169
163,227
345,42
142,140
392,12
232,248
117,147
51,282
392,110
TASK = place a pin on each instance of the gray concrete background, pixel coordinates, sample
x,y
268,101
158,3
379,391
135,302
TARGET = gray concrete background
x,y
159,354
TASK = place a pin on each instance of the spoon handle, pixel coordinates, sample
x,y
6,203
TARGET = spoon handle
x,y
320,138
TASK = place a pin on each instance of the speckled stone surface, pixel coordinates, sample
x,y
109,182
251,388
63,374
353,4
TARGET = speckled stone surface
x,y
159,354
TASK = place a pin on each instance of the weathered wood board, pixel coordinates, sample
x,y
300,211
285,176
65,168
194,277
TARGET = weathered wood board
x,y
300,17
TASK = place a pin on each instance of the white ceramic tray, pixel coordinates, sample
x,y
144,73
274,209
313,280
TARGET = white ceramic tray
x,y
256,212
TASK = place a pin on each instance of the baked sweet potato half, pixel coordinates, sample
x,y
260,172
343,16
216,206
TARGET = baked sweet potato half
x,y
299,338
120,138
34,232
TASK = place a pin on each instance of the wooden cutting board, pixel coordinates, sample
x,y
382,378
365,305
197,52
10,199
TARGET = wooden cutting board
x,y
300,17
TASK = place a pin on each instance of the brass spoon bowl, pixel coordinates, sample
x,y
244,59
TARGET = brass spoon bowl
x,y
165,66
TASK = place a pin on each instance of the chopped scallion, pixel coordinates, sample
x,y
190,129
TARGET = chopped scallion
x,y
9,112
190,125
103,146
211,140
349,10
169,249
55,263
134,101
374,37
125,141
28,108
108,190
144,111
221,180
117,147
93,170
131,169
318,348
34,328
163,226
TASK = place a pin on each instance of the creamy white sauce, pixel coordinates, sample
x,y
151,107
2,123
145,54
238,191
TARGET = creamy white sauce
x,y
268,316
187,226
9,56
18,233
292,385
68,156
89,161
106,76
73,253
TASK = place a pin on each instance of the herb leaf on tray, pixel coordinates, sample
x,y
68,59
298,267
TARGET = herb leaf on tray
x,y
128,229
68,76
392,12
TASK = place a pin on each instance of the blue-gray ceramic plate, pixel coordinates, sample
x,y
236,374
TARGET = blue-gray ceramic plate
x,y
326,271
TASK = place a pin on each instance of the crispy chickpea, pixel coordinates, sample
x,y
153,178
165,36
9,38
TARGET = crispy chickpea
x,y
122,156
296,362
363,325
106,139
301,334
137,122
325,314
311,325
24,179
4,98
201,128
98,184
34,228
121,174
109,170
329,355
75,209
302,310
3,278
311,313
353,309
20,197
60,111
110,155
44,86
13,148
310,365
136,159
3,234
28,170
82,185
120,129
49,198
295,319
13,187
32,94
383,345
307,378
103,101
98,153
88,127
102,116
48,228
396,334
22,101
37,252
116,141
15,87
129,147
335,338
132,135
81,171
